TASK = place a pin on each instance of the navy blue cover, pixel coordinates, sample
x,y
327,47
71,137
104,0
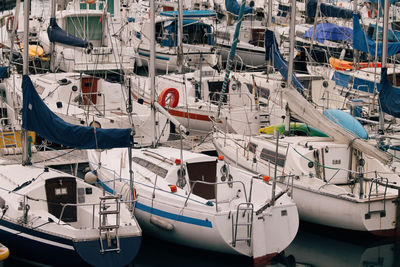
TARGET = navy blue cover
x,y
328,10
4,72
233,7
364,43
36,116
58,35
389,96
331,32
272,52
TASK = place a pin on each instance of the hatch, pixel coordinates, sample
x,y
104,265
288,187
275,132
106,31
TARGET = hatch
x,y
62,190
203,171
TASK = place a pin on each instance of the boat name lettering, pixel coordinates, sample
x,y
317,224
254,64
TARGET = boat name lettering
x,y
336,161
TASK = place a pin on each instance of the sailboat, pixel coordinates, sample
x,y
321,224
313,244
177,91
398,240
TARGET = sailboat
x,y
199,200
338,181
58,218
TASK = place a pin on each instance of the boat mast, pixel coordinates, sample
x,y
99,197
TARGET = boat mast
x,y
52,44
384,54
152,72
292,32
229,64
25,70
180,37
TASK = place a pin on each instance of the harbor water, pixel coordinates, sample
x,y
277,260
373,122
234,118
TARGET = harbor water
x,y
313,246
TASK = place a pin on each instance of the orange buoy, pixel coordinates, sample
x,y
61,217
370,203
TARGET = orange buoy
x,y
90,1
174,97
4,252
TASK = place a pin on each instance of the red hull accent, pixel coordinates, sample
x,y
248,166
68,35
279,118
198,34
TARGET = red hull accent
x,y
263,260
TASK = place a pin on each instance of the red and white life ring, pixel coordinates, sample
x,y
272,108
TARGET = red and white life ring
x,y
174,98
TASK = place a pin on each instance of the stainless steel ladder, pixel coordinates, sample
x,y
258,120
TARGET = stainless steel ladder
x,y
244,218
9,135
105,209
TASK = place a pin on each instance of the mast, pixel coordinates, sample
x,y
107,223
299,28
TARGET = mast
x,y
180,36
152,71
52,44
229,64
24,133
384,54
291,55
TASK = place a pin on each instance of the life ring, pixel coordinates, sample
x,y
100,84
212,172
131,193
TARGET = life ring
x,y
10,23
90,1
174,98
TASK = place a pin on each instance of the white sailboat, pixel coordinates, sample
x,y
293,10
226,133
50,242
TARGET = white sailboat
x,y
199,200
62,219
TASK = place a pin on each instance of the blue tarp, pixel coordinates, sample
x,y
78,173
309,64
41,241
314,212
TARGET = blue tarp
x,y
331,32
393,36
341,79
363,43
389,96
36,116
190,13
58,35
233,7
272,52
4,72
328,10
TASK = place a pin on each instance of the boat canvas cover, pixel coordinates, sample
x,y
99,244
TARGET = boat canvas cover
x,y
4,72
171,26
190,13
327,10
233,7
272,53
58,35
36,116
331,32
389,96
363,43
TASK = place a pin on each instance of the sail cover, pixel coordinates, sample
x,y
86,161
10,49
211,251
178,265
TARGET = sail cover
x,y
233,7
4,72
272,53
36,116
58,35
331,32
363,43
389,96
328,10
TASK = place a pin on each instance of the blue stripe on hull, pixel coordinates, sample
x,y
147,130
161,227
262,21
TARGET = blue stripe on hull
x,y
165,214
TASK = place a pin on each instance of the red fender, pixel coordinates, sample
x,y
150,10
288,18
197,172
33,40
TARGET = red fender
x,y
174,100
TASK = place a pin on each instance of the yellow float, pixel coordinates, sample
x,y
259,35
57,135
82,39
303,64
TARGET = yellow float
x,y
4,252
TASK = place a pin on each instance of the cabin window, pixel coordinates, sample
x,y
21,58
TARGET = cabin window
x,y
88,28
215,89
269,155
151,166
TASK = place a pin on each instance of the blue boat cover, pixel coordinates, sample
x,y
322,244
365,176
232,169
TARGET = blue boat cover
x,y
393,36
347,122
190,13
389,96
363,43
331,32
4,72
58,35
36,116
328,10
272,52
232,6
341,79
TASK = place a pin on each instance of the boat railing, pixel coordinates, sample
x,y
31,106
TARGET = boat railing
x,y
87,101
64,205
229,101
377,181
194,183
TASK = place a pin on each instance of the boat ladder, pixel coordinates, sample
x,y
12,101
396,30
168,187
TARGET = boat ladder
x,y
244,219
377,181
106,204
8,138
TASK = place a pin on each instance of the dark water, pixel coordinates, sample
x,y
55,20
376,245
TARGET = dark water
x,y
313,246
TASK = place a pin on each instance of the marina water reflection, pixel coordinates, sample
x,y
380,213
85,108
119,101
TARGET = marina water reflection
x,y
313,246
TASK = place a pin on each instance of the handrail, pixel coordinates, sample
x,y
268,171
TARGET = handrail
x,y
215,183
